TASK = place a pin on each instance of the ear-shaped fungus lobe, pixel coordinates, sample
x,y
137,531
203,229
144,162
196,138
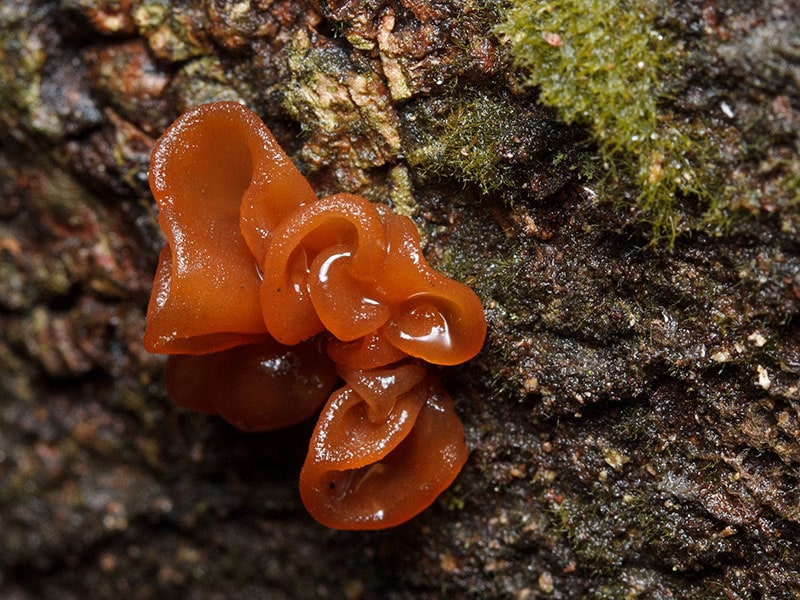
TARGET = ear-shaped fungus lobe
x,y
382,389
210,161
257,387
434,317
303,292
348,307
396,476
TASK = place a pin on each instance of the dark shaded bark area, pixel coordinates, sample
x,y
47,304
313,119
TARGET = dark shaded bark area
x,y
634,419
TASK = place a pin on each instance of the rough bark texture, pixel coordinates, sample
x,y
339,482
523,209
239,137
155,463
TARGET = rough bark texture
x,y
634,419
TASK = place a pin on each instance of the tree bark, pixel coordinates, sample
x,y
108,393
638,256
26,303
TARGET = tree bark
x,y
633,420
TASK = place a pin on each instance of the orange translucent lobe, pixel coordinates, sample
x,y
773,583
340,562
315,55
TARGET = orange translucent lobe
x,y
396,485
186,381
371,351
341,219
167,331
276,186
269,386
405,266
346,438
255,387
379,388
433,317
445,328
347,307
207,282
285,303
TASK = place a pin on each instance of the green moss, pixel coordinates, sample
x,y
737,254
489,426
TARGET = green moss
x,y
465,142
605,65
491,140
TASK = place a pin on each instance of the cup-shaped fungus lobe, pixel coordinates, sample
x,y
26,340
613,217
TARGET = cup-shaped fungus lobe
x,y
212,169
394,471
256,387
444,327
319,269
434,317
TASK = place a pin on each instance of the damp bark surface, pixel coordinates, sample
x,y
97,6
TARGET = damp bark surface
x,y
633,420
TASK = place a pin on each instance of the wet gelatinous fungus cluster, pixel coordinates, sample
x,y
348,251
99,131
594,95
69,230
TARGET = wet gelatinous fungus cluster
x,y
266,295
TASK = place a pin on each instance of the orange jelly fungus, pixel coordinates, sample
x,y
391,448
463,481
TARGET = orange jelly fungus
x,y
265,295
256,387
367,473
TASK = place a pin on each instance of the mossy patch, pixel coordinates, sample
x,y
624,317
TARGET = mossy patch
x,y
491,141
606,65
467,144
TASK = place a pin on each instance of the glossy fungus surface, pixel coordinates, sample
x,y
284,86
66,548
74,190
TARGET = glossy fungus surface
x,y
265,295
216,167
362,474
256,387
320,269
